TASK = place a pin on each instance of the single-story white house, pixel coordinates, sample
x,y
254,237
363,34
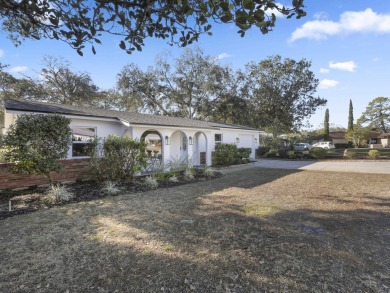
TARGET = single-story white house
x,y
179,138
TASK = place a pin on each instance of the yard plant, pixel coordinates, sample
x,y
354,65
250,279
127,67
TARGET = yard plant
x,y
117,158
35,143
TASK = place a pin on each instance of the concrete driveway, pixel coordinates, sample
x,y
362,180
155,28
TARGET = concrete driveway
x,y
375,167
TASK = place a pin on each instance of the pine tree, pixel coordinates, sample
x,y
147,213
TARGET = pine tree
x,y
326,124
350,116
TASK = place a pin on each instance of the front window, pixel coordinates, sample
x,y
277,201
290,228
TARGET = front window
x,y
81,140
218,138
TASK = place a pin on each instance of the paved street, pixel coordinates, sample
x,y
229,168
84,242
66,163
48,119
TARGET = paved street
x,y
375,167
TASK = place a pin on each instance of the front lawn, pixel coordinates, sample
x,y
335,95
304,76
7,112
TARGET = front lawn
x,y
253,230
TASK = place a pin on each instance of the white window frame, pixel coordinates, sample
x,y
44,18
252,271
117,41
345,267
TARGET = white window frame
x,y
81,142
218,141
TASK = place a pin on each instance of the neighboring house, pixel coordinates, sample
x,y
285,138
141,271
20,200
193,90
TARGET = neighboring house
x,y
376,139
179,138
379,140
336,137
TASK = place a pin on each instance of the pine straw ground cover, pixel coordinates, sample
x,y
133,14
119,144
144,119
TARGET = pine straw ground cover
x,y
254,230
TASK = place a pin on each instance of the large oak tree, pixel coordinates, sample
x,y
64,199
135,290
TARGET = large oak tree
x,y
82,22
282,93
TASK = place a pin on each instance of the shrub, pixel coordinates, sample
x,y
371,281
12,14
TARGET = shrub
x,y
243,155
117,158
110,188
291,155
318,153
225,154
151,182
178,164
283,153
162,176
189,174
261,151
58,193
349,153
35,143
208,172
173,178
374,153
272,153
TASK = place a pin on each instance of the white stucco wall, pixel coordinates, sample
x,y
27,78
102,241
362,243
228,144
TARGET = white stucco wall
x,y
246,138
203,139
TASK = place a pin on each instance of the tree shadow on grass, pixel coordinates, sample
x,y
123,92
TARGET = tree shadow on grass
x,y
227,235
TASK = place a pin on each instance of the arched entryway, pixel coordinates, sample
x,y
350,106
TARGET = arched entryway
x,y
154,144
200,149
179,146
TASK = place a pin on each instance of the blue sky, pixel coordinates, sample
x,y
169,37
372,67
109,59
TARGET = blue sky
x,y
347,41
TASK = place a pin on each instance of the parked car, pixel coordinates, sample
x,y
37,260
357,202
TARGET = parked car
x,y
324,144
302,146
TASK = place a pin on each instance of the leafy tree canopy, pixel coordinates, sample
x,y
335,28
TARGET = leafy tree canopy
x,y
377,114
282,93
181,22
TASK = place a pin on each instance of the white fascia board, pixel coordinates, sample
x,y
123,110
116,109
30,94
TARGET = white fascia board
x,y
171,127
240,130
81,117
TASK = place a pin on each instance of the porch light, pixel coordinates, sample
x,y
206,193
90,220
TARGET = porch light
x,y
237,140
190,140
166,140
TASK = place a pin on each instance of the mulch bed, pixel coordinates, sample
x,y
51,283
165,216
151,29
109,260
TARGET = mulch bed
x,y
30,200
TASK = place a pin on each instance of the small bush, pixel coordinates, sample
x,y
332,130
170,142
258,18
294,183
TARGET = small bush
x,y
374,153
58,193
178,164
110,188
261,151
117,158
272,153
208,172
151,182
225,154
283,153
173,179
318,153
162,176
189,174
291,155
243,155
349,154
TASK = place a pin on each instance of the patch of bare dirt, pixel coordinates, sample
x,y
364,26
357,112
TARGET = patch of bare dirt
x,y
254,230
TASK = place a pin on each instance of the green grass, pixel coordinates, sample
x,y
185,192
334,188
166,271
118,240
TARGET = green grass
x,y
364,151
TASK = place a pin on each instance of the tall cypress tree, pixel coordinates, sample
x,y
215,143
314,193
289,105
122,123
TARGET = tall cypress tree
x,y
326,124
350,116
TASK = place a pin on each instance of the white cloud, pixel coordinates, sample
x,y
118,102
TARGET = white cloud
x,y
346,66
367,21
222,56
324,70
328,83
376,59
320,15
1,53
19,69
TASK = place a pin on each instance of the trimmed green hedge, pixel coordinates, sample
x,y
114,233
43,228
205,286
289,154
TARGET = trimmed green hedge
x,y
228,154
